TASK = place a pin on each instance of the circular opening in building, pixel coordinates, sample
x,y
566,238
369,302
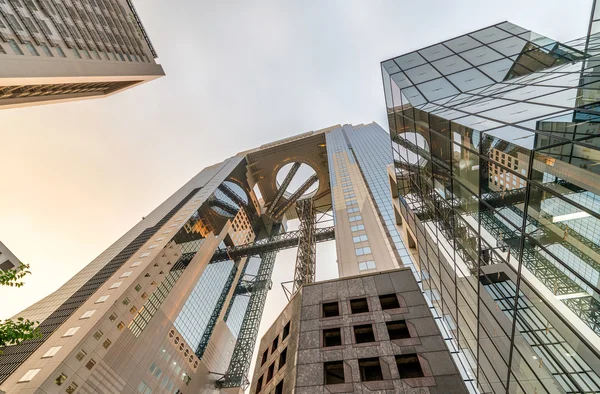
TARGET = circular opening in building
x,y
407,155
229,198
302,175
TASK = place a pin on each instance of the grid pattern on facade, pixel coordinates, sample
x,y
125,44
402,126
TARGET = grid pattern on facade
x,y
496,165
14,356
94,29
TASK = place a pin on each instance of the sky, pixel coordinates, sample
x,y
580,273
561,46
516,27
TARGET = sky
x,y
76,176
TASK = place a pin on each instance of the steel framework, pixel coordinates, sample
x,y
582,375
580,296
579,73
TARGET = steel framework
x,y
307,252
276,243
284,186
237,372
294,197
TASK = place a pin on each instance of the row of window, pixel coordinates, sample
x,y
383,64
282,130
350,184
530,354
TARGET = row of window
x,y
263,380
370,369
284,334
364,333
360,305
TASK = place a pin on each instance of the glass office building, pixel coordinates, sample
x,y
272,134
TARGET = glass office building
x,y
496,144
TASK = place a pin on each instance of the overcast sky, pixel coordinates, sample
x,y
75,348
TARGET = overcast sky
x,y
76,176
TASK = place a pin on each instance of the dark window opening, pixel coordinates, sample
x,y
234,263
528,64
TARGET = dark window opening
x,y
409,366
331,309
286,331
397,329
334,372
282,358
275,343
359,305
279,387
369,369
332,337
259,384
389,301
265,356
364,333
271,372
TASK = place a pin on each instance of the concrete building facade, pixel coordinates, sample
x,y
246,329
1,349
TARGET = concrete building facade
x,y
63,50
361,334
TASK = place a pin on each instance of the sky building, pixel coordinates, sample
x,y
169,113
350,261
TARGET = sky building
x,y
59,50
495,185
175,304
7,259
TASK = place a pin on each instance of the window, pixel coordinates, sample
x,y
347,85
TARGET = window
x,y
282,358
76,52
275,344
87,314
102,299
144,296
60,379
355,218
121,326
265,356
409,366
279,387
133,310
70,332
369,369
362,251
359,305
112,317
115,285
270,372
46,49
72,387
98,334
389,301
90,364
126,274
126,301
107,343
334,372
138,287
144,255
152,246
80,355
358,227
360,238
364,333
51,352
259,384
352,210
366,265
286,331
135,264
350,202
332,337
29,375
61,53
16,49
331,309
397,329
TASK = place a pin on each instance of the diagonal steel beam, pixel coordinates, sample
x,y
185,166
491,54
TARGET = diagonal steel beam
x,y
284,186
307,252
294,197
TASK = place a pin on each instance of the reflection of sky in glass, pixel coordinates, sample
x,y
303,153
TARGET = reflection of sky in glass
x,y
219,195
304,172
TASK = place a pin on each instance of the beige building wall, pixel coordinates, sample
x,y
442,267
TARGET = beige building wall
x,y
63,50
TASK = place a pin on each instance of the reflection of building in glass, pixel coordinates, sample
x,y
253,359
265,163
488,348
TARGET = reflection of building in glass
x,y
503,206
59,50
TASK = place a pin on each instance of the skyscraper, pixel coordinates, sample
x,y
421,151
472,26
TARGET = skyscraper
x,y
496,149
7,259
175,304
59,50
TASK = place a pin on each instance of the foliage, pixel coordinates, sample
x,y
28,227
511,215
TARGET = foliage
x,y
14,332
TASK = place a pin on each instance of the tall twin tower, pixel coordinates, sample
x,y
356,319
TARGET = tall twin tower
x,y
466,237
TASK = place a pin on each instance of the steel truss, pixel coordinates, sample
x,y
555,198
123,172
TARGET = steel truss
x,y
237,372
280,210
307,253
284,186
274,244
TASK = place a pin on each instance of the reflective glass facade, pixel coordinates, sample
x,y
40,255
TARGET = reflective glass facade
x,y
496,153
